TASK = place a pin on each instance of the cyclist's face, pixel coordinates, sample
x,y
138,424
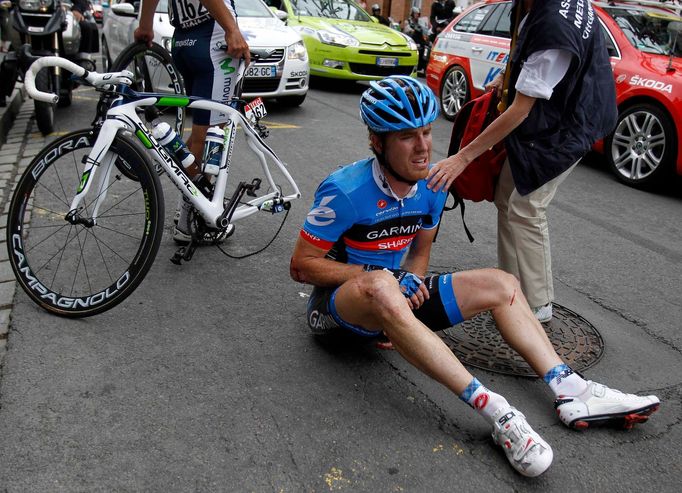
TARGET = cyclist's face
x,y
409,152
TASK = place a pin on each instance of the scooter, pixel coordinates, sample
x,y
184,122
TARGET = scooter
x,y
42,28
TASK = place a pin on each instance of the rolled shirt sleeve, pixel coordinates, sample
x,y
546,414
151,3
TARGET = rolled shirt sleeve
x,y
542,71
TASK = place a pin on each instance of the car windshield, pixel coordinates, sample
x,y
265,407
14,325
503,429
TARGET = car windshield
x,y
331,9
252,8
162,6
647,30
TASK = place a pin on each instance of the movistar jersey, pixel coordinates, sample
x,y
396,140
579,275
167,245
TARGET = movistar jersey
x,y
356,212
185,14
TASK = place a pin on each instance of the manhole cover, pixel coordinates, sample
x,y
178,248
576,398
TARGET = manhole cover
x,y
477,343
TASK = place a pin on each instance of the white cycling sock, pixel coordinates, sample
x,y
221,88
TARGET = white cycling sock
x,y
483,400
564,381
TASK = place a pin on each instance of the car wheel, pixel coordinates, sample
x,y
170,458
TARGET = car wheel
x,y
642,148
454,91
106,59
291,101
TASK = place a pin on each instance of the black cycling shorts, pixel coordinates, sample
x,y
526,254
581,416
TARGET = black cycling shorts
x,y
439,312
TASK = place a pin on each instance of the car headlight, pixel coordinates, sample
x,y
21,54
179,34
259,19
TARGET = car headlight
x,y
410,42
35,5
297,51
167,44
337,38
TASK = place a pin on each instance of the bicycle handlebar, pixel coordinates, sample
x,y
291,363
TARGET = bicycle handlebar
x,y
94,78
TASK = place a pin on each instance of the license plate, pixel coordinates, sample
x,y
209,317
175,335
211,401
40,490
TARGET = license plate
x,y
261,71
255,110
387,62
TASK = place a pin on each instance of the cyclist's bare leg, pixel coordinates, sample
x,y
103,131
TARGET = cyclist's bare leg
x,y
375,302
495,290
195,142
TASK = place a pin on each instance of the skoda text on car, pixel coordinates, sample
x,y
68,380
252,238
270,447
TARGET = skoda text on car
x,y
645,51
344,42
283,74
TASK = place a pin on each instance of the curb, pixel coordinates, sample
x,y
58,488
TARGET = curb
x,y
10,112
11,143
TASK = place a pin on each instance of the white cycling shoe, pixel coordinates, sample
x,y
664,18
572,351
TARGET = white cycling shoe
x,y
526,451
600,405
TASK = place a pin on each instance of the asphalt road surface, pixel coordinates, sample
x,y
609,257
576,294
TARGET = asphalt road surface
x,y
207,379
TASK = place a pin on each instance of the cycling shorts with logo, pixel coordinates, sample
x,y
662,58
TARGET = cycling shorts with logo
x,y
200,55
439,312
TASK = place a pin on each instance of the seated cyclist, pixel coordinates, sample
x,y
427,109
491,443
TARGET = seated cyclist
x,y
207,48
365,246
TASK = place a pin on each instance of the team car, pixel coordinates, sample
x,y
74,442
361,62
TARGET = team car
x,y
282,74
344,42
645,47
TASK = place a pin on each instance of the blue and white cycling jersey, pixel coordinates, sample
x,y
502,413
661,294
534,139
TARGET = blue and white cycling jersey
x,y
356,211
185,14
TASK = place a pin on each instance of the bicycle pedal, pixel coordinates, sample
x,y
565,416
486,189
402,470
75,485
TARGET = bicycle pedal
x,y
178,256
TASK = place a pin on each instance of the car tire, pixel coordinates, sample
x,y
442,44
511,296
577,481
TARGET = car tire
x,y
454,91
291,101
641,150
44,111
106,58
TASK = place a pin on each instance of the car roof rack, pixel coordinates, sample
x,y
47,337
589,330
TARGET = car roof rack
x,y
665,4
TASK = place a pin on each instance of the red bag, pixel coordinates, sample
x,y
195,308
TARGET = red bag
x,y
477,182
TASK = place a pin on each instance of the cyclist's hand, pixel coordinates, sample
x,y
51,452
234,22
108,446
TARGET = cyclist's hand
x,y
419,296
237,46
144,35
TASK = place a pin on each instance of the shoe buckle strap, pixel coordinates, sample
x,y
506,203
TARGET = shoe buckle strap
x,y
599,390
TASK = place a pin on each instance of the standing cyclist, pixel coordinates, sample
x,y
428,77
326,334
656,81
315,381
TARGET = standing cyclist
x,y
352,247
207,47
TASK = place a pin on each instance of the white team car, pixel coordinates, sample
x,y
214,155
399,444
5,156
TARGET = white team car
x,y
283,74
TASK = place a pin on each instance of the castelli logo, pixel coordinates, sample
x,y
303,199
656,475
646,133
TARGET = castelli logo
x,y
381,204
481,401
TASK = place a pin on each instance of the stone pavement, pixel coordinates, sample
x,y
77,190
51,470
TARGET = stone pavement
x,y
17,147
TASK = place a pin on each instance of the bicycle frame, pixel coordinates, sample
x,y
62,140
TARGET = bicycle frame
x,y
122,115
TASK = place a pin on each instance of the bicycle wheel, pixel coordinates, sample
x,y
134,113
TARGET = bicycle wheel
x,y
78,270
153,71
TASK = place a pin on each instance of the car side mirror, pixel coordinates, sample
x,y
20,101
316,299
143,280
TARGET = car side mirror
x,y
374,19
124,10
281,15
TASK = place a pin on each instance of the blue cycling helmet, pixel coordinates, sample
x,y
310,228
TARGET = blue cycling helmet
x,y
397,103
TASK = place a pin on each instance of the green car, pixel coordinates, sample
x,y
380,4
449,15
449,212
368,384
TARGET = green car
x,y
344,42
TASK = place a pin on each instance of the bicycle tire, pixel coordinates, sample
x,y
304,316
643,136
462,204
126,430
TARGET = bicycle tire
x,y
78,270
138,58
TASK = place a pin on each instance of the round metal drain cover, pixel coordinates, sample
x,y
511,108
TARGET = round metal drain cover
x,y
477,343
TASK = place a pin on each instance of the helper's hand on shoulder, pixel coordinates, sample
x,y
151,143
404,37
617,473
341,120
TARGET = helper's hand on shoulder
x,y
237,45
444,172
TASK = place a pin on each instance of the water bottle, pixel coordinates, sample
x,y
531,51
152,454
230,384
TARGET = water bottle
x,y
170,140
213,150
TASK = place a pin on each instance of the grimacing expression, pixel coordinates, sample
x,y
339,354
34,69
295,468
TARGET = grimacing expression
x,y
407,151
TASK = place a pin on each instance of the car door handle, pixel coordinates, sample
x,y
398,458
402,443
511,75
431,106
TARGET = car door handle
x,y
476,49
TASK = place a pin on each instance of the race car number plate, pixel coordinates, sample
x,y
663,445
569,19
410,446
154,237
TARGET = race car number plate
x,y
387,62
261,71
255,110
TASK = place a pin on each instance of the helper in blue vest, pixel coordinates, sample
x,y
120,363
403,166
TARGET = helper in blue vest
x,y
563,101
